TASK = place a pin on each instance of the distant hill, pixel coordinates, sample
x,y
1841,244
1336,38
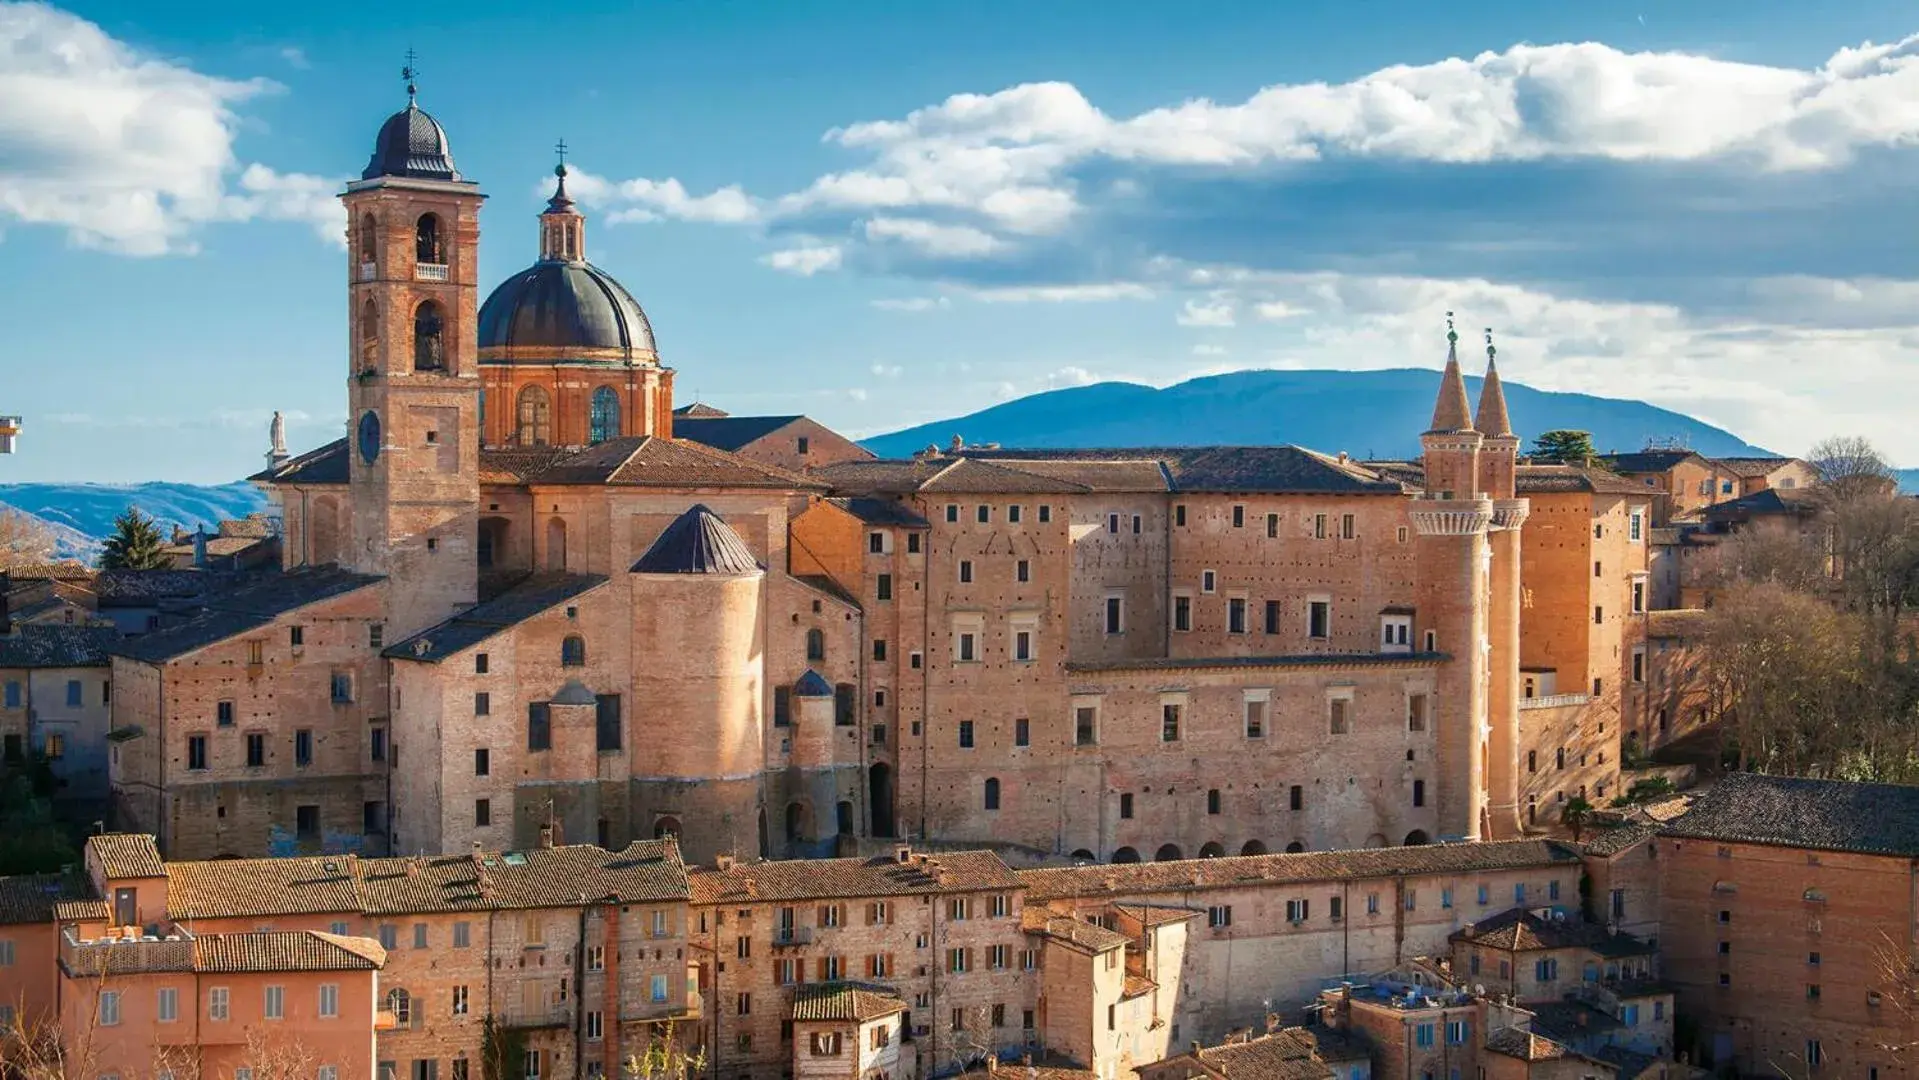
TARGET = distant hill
x,y
1374,414
82,514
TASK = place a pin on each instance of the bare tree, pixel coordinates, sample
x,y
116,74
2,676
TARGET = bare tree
x,y
1850,464
25,540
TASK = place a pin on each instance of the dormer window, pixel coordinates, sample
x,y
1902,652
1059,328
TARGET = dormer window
x,y
1395,633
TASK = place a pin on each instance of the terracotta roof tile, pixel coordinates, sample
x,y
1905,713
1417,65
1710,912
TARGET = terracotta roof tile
x,y
1151,915
1135,879
1829,815
1545,479
1518,1043
255,888
881,512
857,1002
699,541
127,855
1677,622
259,952
646,461
253,603
729,433
1754,466
879,875
1283,1055
1521,930
1071,930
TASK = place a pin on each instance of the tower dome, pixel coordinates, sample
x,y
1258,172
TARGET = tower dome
x,y
411,144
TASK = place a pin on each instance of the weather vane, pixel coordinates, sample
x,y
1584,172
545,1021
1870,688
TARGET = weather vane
x,y
1490,351
1451,334
409,73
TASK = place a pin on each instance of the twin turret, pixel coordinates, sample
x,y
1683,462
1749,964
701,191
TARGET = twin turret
x,y
1467,456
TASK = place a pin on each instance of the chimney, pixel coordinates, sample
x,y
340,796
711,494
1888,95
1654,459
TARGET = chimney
x,y
200,548
724,862
1195,1047
992,1064
1272,1023
903,853
959,443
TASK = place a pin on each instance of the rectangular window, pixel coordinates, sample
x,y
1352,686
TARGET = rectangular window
x,y
482,704
968,647
1319,619
342,687
1212,800
1638,595
168,1007
419,935
876,543
595,1025
1239,516
1599,614
956,960
74,694
376,743
657,989
1023,571
984,514
1255,718
1208,581
459,1001
479,663
223,713
966,734
6,953
1085,725
1296,910
1022,732
462,935
276,1003
1115,615
883,587
109,1008
1272,616
1415,712
217,1003
302,748
1339,721
13,694
952,513
1296,798
1022,645
966,571
1319,526
539,726
329,1001
1125,805
1236,615
1346,530
196,752
1182,613
1423,1036
1169,714
1013,514
608,728
1045,513
1112,524
1272,526
1636,525
256,750
306,822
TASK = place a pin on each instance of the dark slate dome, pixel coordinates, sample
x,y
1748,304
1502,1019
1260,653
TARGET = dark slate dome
x,y
411,144
698,542
565,307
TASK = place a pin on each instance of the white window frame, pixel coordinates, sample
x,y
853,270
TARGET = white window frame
x,y
1313,601
218,1003
1262,698
1179,596
1106,620
329,1001
1636,525
1024,623
1209,581
1395,633
969,626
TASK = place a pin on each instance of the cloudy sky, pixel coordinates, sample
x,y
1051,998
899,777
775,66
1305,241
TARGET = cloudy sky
x,y
882,213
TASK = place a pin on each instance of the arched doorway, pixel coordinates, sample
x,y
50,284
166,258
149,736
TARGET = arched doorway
x,y
1417,837
1252,847
843,818
494,537
1295,848
1125,855
799,822
1082,855
879,789
1213,850
1167,853
556,544
429,337
665,827
1376,840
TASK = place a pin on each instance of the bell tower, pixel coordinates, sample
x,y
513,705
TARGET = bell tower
x,y
413,378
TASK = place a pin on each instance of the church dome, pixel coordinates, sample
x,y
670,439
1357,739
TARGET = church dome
x,y
556,310
411,144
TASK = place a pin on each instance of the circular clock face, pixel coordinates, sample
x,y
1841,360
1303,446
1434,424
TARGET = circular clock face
x,y
370,436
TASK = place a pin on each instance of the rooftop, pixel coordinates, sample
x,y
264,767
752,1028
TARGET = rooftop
x,y
1827,815
253,604
879,875
1071,930
1649,461
845,1001
32,645
244,953
1522,1044
1131,879
537,594
729,433
1535,930
1197,470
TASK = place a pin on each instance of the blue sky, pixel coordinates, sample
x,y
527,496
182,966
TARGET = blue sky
x,y
882,213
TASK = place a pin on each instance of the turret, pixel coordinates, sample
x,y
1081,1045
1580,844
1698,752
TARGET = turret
x,y
1452,444
1499,455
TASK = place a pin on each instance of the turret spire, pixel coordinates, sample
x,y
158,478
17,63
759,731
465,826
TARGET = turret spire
x,y
1492,419
562,226
1450,412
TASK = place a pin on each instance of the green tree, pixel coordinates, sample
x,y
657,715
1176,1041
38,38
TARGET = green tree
x,y
136,544
1564,446
1573,815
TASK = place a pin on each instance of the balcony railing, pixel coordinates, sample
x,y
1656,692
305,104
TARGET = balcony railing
x,y
792,935
429,271
1554,701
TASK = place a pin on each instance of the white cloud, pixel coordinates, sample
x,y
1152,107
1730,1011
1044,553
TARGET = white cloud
x,y
275,196
1209,350
1060,294
1071,375
1207,313
655,200
806,260
933,238
125,151
295,57
1275,310
857,394
912,303
888,371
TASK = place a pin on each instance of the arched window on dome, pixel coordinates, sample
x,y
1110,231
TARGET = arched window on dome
x,y
429,243
367,245
573,651
369,337
536,417
429,337
604,420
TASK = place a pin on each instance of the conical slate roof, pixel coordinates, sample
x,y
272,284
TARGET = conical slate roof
x,y
698,542
1450,412
1492,419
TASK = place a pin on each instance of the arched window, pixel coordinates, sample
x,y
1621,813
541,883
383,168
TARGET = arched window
x,y
1082,855
1252,847
369,336
536,417
556,544
1295,848
1213,850
1167,853
666,827
815,644
992,793
400,1004
429,337
429,246
1125,855
573,651
604,421
1416,838
797,821
369,250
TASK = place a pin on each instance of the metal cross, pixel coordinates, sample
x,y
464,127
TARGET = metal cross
x,y
560,148
409,72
